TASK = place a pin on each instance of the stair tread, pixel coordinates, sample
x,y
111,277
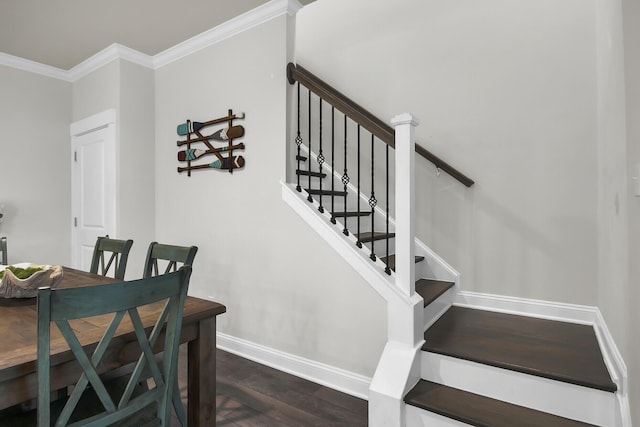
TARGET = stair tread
x,y
391,260
431,289
307,173
480,410
325,192
368,236
350,213
561,351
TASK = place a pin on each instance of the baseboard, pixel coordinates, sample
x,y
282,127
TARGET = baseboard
x,y
328,376
585,315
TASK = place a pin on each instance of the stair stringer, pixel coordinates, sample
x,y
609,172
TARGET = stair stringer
x,y
399,367
371,271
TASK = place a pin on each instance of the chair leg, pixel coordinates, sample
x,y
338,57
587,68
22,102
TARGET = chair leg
x,y
178,406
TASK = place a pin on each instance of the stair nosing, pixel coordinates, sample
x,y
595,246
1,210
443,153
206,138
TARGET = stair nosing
x,y
325,192
375,236
342,214
462,413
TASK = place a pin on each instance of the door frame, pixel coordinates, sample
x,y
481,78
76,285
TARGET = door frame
x,y
104,120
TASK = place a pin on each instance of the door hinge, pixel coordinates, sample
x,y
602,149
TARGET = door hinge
x,y
75,221
75,156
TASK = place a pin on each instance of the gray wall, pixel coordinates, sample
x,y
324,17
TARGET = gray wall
x,y
284,288
631,9
35,166
505,93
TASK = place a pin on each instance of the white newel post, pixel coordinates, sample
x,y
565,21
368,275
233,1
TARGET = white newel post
x,y
404,125
399,366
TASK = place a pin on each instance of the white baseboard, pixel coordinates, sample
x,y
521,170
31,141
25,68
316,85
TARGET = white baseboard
x,y
328,376
528,307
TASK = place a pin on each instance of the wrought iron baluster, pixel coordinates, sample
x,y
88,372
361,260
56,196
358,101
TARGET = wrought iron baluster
x,y
333,137
387,269
320,156
372,203
298,143
358,243
345,178
309,198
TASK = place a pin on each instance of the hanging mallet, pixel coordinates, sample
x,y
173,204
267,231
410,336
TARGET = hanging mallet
x,y
221,135
227,163
195,153
184,129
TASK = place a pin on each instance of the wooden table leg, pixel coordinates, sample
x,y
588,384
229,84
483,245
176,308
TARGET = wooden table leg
x,y
202,375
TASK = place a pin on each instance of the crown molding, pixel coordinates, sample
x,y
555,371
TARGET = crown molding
x,y
246,21
230,28
33,67
105,56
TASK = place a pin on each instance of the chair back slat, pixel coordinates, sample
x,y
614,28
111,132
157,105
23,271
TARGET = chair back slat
x,y
119,250
60,306
172,255
3,249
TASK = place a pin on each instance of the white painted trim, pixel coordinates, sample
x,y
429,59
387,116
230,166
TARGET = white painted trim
x,y
338,379
437,308
230,28
528,307
237,25
33,67
344,245
616,366
88,124
105,56
404,128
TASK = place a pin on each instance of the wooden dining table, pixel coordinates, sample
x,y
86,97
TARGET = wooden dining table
x,y
18,339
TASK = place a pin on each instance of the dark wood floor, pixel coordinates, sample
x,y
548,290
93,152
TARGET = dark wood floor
x,y
251,394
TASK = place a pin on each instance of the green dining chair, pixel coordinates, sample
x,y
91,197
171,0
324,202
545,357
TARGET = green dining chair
x,y
133,406
3,249
119,250
169,255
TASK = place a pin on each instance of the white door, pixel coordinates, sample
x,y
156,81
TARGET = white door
x,y
93,185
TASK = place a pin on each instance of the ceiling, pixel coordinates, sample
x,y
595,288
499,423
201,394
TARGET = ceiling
x,y
63,33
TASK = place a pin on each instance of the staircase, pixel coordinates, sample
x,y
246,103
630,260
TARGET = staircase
x,y
446,363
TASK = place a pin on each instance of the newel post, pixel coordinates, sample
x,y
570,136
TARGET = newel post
x,y
404,125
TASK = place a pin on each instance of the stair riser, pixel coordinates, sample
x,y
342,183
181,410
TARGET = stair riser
x,y
437,308
419,417
555,397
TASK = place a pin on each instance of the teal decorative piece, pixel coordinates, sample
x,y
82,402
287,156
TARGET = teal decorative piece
x,y
192,130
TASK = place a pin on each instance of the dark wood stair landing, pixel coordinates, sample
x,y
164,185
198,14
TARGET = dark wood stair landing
x,y
479,410
556,350
430,289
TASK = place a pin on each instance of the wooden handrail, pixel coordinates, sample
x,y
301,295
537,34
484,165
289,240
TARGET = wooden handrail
x,y
381,130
